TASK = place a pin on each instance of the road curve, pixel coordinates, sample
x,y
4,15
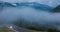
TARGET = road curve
x,y
18,29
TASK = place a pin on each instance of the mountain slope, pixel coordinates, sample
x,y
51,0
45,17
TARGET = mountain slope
x,y
56,9
27,4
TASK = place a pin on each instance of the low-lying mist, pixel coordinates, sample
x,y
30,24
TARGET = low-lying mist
x,y
10,14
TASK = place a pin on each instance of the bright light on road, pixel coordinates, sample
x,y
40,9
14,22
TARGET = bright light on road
x,y
11,27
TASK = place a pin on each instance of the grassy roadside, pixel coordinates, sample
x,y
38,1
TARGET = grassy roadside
x,y
23,28
5,29
34,26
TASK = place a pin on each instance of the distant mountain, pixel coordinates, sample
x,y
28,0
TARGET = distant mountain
x,y
31,4
6,4
9,4
56,9
35,5
27,4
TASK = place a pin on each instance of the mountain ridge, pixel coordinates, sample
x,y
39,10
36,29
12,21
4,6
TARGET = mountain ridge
x,y
27,4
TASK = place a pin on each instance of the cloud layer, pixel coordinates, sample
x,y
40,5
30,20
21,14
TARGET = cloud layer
x,y
9,14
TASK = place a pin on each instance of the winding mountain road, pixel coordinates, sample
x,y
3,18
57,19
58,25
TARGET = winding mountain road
x,y
18,29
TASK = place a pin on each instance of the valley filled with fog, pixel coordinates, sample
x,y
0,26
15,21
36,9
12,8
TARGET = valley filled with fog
x,y
32,15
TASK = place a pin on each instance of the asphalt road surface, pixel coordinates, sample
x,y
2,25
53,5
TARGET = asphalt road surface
x,y
18,29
